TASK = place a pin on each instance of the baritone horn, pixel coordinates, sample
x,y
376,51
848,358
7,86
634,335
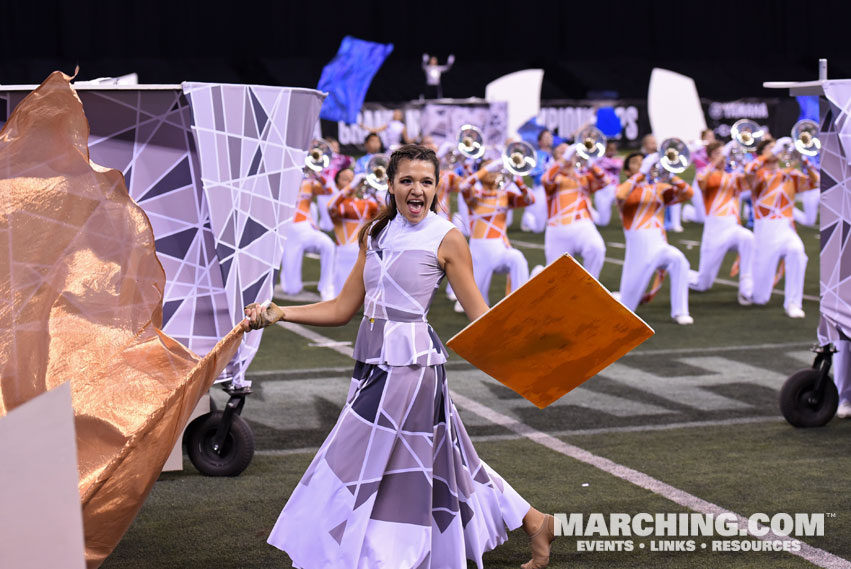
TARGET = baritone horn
x,y
377,172
590,143
319,156
519,158
471,143
674,156
747,134
805,137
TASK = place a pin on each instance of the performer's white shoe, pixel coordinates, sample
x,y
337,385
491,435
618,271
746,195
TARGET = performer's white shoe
x,y
537,269
844,410
745,300
458,308
677,229
450,294
616,294
795,312
683,319
327,293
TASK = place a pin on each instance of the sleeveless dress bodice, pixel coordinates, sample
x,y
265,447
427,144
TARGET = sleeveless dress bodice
x,y
400,276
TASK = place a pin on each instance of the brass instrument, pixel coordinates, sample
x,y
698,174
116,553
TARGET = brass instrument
x,y
377,172
319,156
747,134
471,142
674,158
805,137
519,158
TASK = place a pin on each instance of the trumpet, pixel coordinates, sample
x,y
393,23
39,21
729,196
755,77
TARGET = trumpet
x,y
674,159
471,143
805,137
319,156
747,134
590,143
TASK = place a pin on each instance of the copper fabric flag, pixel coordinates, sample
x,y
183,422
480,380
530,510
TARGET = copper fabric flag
x,y
82,293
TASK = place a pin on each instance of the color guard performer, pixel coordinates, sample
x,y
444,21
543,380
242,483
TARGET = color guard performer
x,y
773,192
351,208
642,204
722,230
304,236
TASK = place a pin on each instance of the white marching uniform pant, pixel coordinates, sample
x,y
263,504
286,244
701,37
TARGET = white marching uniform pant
x,y
646,251
696,210
347,256
775,239
603,204
580,237
494,256
301,238
809,200
325,223
842,370
461,218
721,234
535,215
676,213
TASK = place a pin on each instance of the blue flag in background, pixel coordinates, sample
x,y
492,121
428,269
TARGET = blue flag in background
x,y
809,107
608,122
347,77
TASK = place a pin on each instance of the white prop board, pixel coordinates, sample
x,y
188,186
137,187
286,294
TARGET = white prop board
x,y
41,521
522,91
673,107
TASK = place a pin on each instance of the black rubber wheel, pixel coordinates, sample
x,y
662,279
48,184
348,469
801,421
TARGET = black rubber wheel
x,y
236,452
795,401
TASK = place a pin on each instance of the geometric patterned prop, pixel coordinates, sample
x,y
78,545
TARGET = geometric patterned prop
x,y
151,135
252,141
835,212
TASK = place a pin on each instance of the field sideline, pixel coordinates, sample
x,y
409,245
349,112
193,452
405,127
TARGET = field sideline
x,y
687,422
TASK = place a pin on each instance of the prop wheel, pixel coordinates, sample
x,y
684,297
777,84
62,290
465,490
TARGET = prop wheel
x,y
802,406
236,451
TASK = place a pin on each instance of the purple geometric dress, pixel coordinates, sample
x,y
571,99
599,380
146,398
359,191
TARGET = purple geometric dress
x,y
397,484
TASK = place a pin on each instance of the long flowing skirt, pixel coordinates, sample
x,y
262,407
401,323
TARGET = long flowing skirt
x,y
397,484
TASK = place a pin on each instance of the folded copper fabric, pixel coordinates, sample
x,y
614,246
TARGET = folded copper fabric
x,y
81,301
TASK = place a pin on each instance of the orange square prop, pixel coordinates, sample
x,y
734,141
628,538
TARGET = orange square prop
x,y
552,334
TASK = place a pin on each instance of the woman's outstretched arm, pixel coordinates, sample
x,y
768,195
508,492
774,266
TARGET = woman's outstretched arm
x,y
454,255
336,312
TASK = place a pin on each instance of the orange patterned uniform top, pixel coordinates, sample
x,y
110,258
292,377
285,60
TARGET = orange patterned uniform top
x,y
309,187
489,206
569,195
642,205
449,184
774,190
349,213
721,191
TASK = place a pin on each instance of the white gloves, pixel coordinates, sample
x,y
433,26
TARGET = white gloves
x,y
648,163
494,166
729,148
781,144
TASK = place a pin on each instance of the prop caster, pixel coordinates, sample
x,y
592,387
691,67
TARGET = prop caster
x,y
221,443
809,397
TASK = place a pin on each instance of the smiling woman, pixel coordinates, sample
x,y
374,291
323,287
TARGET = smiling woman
x,y
398,483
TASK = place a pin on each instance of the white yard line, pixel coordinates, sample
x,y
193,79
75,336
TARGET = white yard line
x,y
530,245
814,555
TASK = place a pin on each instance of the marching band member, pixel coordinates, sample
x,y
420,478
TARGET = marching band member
x,y
489,206
722,230
433,72
696,210
302,236
569,227
535,216
337,163
611,165
642,204
373,146
351,208
773,191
